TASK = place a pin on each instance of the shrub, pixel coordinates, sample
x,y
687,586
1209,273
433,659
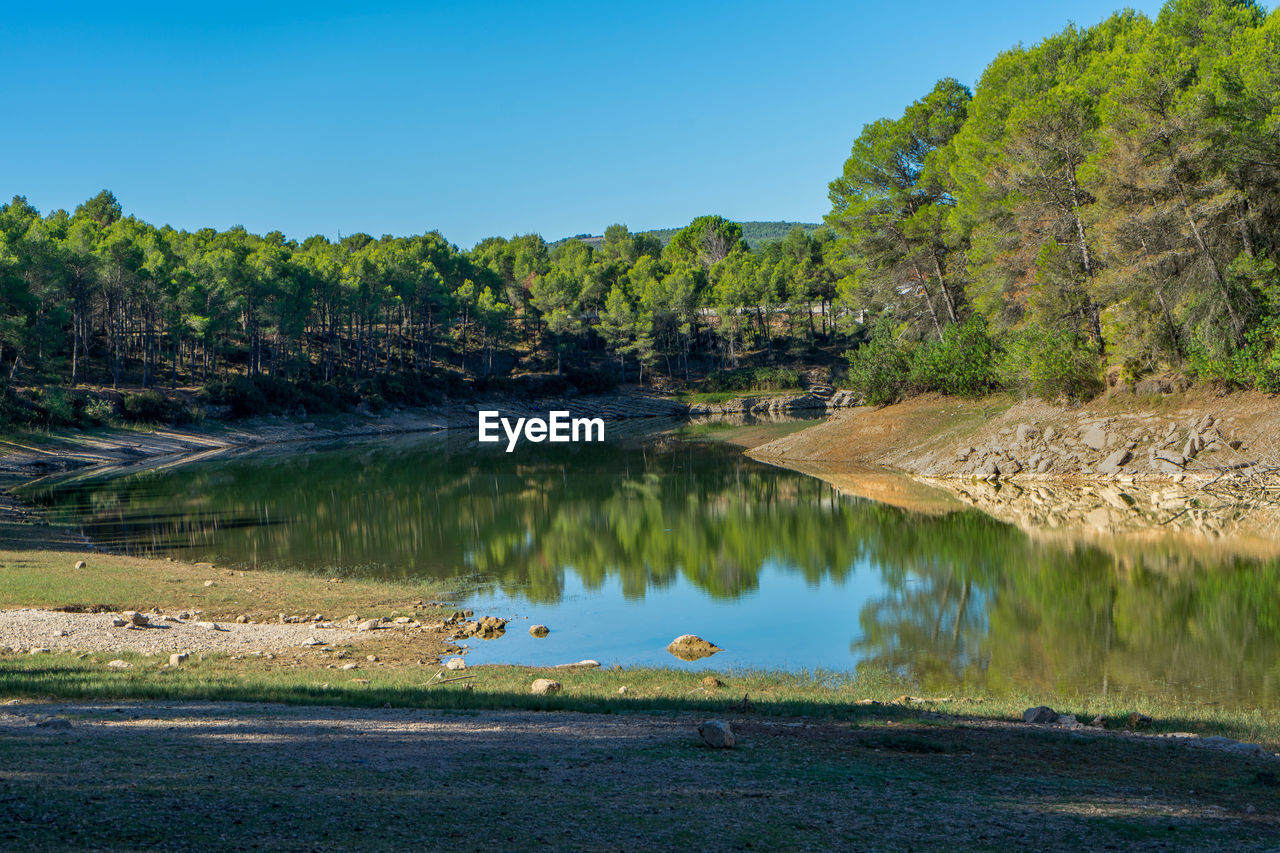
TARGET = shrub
x,y
1052,363
879,369
752,379
963,363
153,407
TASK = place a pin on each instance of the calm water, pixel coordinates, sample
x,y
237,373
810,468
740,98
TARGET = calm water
x,y
623,546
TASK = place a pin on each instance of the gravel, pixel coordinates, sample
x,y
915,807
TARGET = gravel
x,y
23,630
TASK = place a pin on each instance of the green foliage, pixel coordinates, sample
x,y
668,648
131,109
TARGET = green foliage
x,y
879,370
1049,363
752,379
964,363
152,407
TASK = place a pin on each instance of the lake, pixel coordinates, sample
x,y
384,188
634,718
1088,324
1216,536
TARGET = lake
x,y
620,547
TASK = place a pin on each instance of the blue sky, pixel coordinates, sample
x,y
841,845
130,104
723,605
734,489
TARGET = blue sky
x,y
472,118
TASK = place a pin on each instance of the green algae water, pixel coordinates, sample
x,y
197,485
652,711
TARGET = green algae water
x,y
620,547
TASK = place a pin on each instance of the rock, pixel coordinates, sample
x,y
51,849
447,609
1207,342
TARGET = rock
x,y
1112,463
56,723
1099,722
350,666
119,664
455,664
712,683
39,651
717,734
539,630
544,686
211,626
1095,437
1050,434
371,658
80,564
624,690
692,647
117,622
1040,715
1027,433
582,664
1068,720
1137,720
136,618
210,583
369,625
312,641
178,658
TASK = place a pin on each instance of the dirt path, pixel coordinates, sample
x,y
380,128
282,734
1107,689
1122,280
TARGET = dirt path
x,y
212,775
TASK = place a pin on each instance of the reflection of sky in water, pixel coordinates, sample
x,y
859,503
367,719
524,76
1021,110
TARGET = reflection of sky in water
x,y
621,548
784,624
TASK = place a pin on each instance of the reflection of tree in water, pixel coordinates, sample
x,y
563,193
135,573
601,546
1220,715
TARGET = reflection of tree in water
x,y
644,514
964,597
1018,614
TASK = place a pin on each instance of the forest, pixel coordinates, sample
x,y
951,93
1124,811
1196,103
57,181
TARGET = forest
x,y
1104,205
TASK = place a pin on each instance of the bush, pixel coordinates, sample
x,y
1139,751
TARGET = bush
x,y
1051,363
879,370
964,363
152,407
752,379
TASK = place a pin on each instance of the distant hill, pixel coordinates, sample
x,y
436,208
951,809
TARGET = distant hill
x,y
755,233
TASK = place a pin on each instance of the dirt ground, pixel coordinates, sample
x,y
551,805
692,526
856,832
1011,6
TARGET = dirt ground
x,y
206,775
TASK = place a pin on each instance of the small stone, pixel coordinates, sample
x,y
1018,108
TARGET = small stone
x,y
210,583
372,658
178,658
544,686
136,618
1040,715
624,690
39,651
312,641
539,630
350,666
212,626
455,664
242,619
717,734
119,664
80,564
582,664
369,625
117,622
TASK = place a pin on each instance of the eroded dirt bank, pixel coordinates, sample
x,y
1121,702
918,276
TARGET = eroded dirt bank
x,y
1196,464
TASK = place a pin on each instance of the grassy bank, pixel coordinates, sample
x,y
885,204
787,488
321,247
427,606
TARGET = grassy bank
x,y
406,675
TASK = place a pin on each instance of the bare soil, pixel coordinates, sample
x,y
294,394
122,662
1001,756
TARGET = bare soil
x,y
188,776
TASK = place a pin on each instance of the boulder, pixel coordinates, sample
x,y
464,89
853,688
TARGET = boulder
x,y
1114,462
692,647
455,664
539,630
1095,437
1040,715
369,625
544,686
717,734
1027,433
136,618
